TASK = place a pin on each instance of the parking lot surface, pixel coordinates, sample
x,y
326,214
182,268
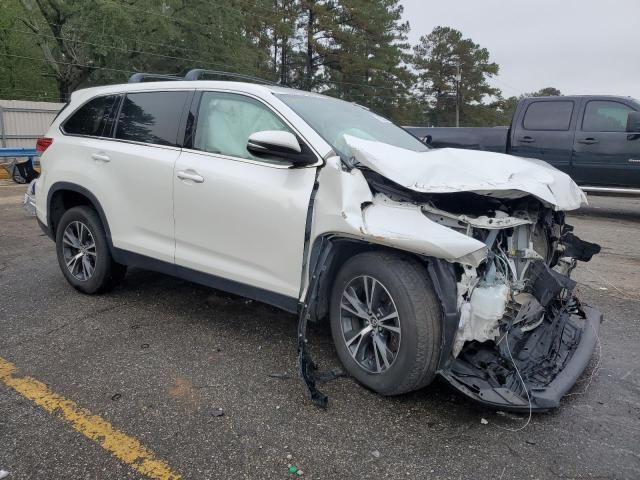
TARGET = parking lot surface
x,y
156,359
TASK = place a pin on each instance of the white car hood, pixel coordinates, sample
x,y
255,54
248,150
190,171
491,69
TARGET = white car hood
x,y
449,170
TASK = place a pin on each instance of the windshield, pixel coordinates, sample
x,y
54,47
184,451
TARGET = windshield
x,y
333,119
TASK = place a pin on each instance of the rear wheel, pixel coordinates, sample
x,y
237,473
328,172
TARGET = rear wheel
x,y
386,322
83,252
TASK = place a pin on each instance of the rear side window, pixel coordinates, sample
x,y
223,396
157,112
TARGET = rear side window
x,y
605,116
554,115
151,117
92,118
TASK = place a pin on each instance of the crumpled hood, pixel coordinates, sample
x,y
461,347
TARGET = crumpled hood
x,y
450,170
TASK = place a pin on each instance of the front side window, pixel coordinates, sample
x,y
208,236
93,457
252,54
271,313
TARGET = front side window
x,y
151,117
226,120
605,116
92,118
555,115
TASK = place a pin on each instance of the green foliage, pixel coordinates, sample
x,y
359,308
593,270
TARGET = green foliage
x,y
364,59
545,92
352,49
20,79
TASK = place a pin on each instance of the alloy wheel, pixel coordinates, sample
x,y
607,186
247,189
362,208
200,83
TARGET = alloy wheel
x,y
79,250
370,324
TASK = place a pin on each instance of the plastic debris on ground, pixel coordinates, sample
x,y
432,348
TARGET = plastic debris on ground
x,y
484,421
3,474
217,412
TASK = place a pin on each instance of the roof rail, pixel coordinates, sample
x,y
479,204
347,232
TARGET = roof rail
x,y
198,73
145,77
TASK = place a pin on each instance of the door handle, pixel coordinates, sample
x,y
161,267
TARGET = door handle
x,y
588,141
190,175
527,139
100,157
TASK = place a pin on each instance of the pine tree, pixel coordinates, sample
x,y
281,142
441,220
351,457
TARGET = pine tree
x,y
365,56
453,71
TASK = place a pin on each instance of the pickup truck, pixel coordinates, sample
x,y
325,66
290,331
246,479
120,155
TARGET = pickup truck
x,y
593,138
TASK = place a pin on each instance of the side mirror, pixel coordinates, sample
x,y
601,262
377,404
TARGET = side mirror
x,y
285,145
633,122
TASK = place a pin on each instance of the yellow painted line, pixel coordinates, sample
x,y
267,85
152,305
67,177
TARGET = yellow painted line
x,y
119,444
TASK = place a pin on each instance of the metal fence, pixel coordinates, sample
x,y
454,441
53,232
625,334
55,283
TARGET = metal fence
x,y
22,122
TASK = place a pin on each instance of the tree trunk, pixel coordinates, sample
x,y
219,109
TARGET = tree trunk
x,y
275,41
64,90
283,61
309,70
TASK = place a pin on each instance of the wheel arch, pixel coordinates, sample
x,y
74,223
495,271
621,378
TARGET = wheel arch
x,y
65,195
329,252
342,248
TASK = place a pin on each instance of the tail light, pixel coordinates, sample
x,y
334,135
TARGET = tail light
x,y
42,144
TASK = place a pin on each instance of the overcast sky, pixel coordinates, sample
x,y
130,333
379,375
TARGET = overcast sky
x,y
580,47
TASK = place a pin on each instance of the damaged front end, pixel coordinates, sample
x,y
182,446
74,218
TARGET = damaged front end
x,y
522,337
491,231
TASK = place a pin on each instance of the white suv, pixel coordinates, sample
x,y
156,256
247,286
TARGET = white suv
x,y
425,262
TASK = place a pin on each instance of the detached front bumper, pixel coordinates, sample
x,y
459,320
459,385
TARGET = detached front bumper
x,y
547,378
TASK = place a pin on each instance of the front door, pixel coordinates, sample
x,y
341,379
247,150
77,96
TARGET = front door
x,y
604,153
240,218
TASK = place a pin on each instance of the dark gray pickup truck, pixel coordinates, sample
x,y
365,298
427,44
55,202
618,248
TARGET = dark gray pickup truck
x,y
594,138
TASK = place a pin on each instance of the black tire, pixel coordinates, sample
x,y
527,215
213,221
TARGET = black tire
x,y
106,273
407,282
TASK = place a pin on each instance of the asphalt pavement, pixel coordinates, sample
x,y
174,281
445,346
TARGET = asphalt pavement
x,y
207,382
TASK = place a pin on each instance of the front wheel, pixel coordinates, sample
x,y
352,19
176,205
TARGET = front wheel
x,y
83,252
386,322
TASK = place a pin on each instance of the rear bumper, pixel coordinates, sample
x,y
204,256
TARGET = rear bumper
x,y
29,201
544,397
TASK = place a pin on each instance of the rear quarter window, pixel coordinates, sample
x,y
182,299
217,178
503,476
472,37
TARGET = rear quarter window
x,y
554,115
92,118
151,117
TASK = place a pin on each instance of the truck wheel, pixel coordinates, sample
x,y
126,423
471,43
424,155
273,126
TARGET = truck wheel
x,y
83,252
386,322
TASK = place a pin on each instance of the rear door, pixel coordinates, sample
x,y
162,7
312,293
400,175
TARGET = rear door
x,y
239,218
545,131
604,153
135,172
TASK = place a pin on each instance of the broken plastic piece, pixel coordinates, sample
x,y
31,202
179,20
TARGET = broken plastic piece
x,y
217,412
